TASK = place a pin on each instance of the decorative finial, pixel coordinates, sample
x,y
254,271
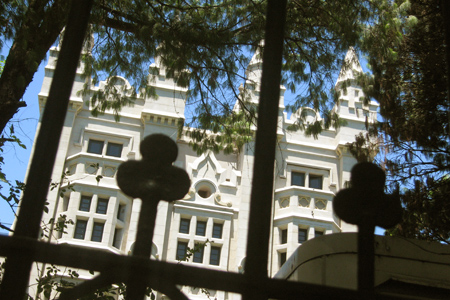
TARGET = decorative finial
x,y
366,205
154,177
365,201
151,179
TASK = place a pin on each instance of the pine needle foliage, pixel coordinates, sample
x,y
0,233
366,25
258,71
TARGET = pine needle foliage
x,y
204,45
407,56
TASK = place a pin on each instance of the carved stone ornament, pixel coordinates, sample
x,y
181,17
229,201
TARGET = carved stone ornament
x,y
190,194
218,200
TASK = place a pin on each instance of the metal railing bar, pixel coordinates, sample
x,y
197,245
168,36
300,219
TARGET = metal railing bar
x,y
159,272
18,265
23,248
265,147
142,248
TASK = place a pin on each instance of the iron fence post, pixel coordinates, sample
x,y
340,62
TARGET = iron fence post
x,y
18,266
265,146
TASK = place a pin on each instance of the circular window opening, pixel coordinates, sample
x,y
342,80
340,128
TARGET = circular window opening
x,y
204,192
205,189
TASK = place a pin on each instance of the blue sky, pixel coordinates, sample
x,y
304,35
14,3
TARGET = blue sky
x,y
25,122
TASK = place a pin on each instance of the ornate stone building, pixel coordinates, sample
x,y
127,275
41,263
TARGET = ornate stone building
x,y
308,173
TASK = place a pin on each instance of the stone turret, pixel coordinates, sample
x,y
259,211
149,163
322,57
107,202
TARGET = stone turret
x,y
351,94
351,106
350,68
250,93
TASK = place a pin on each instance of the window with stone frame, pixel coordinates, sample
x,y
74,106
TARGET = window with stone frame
x,y
214,257
85,203
198,255
97,232
217,230
302,235
121,212
283,236
184,225
114,149
95,146
207,232
298,178
181,250
200,228
102,206
315,181
282,257
205,189
117,239
80,229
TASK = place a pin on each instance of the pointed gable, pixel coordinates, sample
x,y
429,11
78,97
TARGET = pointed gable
x,y
206,166
350,66
254,68
250,92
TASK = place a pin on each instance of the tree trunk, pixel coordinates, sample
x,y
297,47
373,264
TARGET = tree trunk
x,y
40,27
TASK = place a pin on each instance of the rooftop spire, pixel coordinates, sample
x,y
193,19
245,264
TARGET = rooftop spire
x,y
254,68
351,64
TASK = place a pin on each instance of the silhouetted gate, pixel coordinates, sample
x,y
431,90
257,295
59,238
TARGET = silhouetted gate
x,y
23,248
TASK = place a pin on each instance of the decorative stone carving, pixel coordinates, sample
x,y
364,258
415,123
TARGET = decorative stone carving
x,y
190,194
91,168
218,200
109,171
72,169
304,201
320,204
284,202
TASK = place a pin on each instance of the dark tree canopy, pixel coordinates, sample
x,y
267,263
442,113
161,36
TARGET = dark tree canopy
x,y
408,59
213,40
204,45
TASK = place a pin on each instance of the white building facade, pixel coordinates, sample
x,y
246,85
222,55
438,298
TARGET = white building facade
x,y
404,268
308,173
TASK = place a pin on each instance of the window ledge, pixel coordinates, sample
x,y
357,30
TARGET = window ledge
x,y
302,188
96,156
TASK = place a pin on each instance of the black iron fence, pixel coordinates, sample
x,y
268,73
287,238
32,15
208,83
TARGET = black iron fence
x,y
23,248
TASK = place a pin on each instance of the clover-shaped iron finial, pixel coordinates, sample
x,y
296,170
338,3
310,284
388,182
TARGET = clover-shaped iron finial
x,y
366,205
365,201
151,179
154,177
